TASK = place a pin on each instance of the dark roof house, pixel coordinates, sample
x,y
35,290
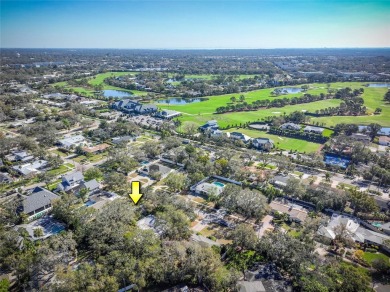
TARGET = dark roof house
x,y
132,106
239,136
70,181
290,126
39,202
263,143
92,185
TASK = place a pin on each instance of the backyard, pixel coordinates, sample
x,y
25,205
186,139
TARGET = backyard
x,y
284,143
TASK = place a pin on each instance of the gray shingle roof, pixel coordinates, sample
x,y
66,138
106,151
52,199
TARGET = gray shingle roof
x,y
91,185
74,177
39,198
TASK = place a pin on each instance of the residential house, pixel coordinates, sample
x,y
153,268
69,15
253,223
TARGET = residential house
x,y
361,137
168,114
147,222
19,155
353,229
384,132
217,133
134,107
384,141
209,126
61,96
311,129
124,139
93,186
386,228
207,189
263,143
290,126
295,212
23,156
38,203
5,178
247,286
30,168
280,180
239,136
364,129
70,181
96,149
155,168
72,141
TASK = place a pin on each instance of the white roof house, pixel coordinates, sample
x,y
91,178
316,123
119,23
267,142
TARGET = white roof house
x,y
169,114
317,130
30,168
216,133
353,228
72,141
208,189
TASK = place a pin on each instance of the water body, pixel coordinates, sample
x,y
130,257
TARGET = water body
x,y
116,93
180,100
378,85
291,90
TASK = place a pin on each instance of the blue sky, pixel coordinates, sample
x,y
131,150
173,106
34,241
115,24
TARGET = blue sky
x,y
194,24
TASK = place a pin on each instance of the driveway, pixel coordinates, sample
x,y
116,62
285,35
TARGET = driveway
x,y
266,225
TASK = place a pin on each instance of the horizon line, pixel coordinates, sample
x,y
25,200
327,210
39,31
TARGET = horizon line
x,y
194,48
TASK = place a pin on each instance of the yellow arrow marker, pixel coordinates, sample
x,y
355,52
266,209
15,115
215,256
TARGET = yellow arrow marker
x,y
135,195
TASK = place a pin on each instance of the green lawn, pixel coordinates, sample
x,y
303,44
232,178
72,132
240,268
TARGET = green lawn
x,y
57,171
53,185
284,143
60,153
93,158
203,111
97,79
215,101
369,257
327,133
373,98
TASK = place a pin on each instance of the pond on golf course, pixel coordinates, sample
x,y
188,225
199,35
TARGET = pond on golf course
x,y
180,100
116,93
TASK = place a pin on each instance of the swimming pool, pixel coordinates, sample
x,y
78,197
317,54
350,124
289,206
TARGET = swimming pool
x,y
89,203
218,184
336,160
57,229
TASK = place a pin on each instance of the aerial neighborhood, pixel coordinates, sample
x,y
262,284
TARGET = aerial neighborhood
x,y
273,180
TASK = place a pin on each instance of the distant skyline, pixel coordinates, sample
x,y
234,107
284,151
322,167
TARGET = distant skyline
x,y
187,24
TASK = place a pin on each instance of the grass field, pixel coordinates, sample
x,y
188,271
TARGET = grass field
x,y
203,111
97,79
195,114
284,143
57,171
369,257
